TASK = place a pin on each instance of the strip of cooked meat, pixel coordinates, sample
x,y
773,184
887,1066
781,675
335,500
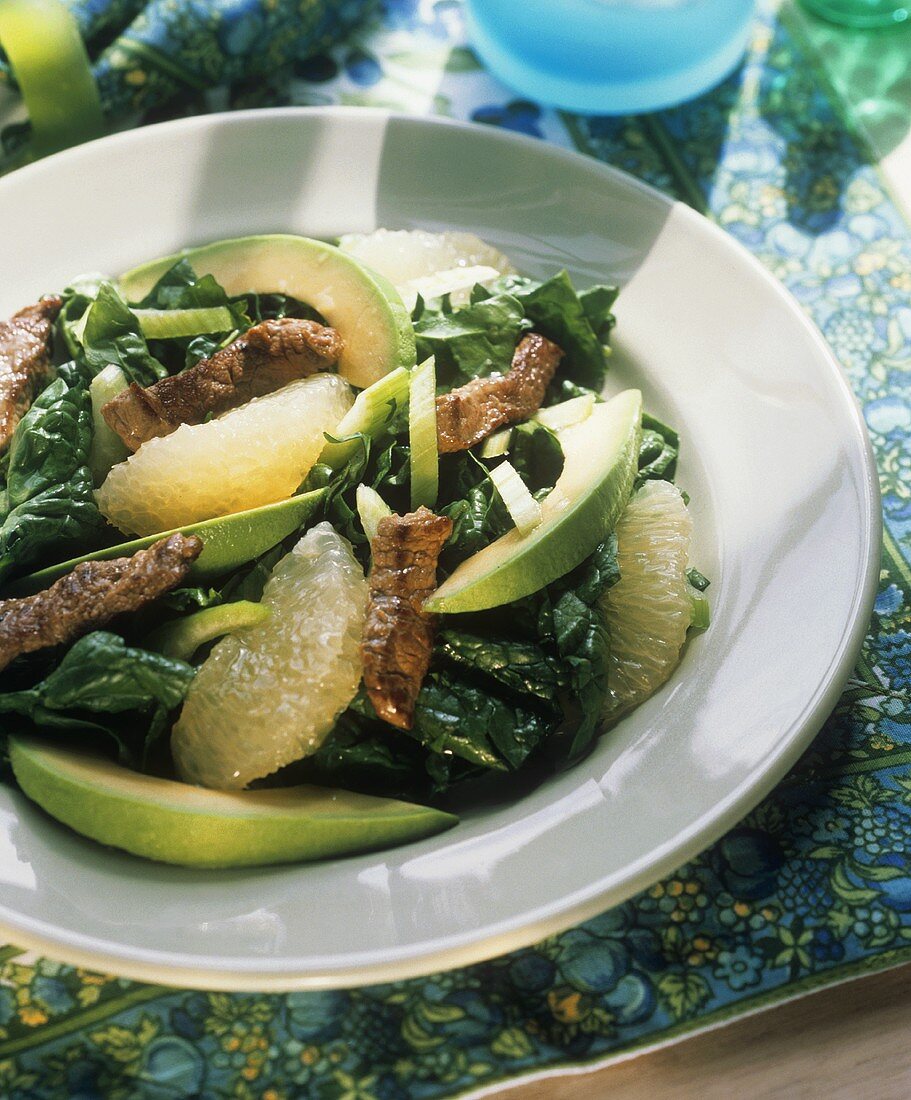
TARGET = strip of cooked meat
x,y
398,635
92,595
470,413
25,361
264,359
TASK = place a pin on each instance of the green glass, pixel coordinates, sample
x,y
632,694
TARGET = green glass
x,y
865,14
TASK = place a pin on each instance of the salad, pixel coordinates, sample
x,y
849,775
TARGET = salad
x,y
306,546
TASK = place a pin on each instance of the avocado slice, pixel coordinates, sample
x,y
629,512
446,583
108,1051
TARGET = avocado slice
x,y
363,306
599,468
228,541
194,827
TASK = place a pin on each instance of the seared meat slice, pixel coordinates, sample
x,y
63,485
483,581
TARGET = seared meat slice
x,y
93,594
398,634
471,412
264,359
25,361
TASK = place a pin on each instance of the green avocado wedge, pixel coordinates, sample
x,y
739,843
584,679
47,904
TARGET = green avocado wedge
x,y
600,461
228,542
194,827
180,638
362,305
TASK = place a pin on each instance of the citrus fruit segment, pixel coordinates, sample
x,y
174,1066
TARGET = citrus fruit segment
x,y
268,695
228,542
256,454
648,611
403,255
176,823
363,306
599,469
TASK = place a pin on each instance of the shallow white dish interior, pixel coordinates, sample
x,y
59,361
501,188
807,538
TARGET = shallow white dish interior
x,y
783,494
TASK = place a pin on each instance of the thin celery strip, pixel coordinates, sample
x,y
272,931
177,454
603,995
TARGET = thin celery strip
x,y
497,444
166,324
107,448
371,508
521,505
372,411
701,613
422,432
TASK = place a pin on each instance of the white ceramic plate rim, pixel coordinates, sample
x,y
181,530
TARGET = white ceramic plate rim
x,y
473,945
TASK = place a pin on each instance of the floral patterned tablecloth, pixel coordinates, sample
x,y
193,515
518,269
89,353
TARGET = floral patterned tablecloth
x,y
812,888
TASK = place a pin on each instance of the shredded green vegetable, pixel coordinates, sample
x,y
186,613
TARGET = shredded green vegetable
x,y
167,324
371,508
422,431
701,614
521,505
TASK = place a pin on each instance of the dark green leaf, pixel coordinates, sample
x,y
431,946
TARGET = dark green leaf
x,y
697,580
658,451
191,599
522,667
112,336
479,339
101,675
598,301
536,454
50,500
555,310
47,439
453,716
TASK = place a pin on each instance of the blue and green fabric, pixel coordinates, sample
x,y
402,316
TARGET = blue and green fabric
x,y
813,887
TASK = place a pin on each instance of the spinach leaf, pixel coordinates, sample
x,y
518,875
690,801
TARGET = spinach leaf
x,y
522,667
555,310
658,451
111,334
571,616
476,509
44,447
49,497
452,715
264,307
181,288
598,301
361,754
536,454
697,580
191,599
101,675
478,339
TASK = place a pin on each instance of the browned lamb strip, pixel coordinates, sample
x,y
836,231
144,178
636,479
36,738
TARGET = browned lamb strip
x,y
92,595
470,413
25,361
398,635
264,359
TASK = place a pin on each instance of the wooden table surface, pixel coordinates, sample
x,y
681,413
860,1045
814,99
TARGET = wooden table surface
x,y
852,1042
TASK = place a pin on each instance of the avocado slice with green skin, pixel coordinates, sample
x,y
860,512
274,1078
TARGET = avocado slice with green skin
x,y
194,827
180,638
600,460
228,542
362,305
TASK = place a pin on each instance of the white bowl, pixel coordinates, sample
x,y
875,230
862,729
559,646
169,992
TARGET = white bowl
x,y
784,496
